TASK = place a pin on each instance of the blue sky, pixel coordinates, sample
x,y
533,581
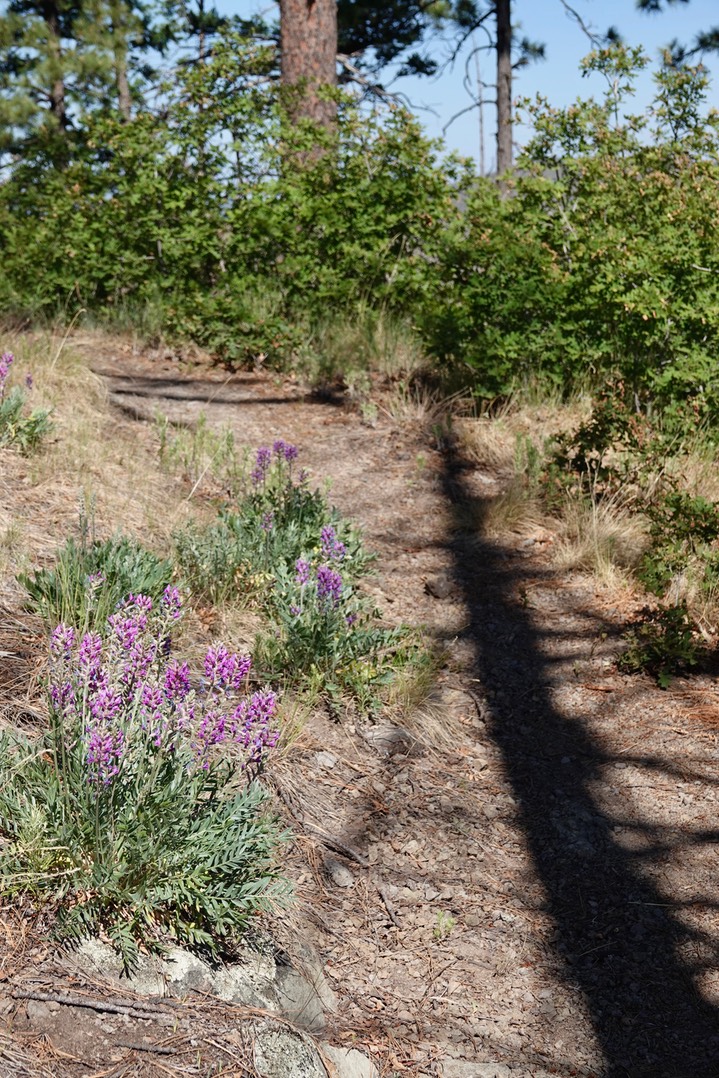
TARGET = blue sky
x,y
557,77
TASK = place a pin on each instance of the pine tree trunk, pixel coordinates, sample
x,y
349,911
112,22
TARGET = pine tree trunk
x,y
58,108
504,86
308,45
118,30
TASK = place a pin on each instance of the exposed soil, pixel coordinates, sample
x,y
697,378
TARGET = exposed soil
x,y
529,880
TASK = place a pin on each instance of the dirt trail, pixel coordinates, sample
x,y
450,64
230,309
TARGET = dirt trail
x,y
540,894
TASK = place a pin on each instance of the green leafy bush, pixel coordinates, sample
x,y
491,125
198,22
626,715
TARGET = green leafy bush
x,y
684,532
663,643
90,577
137,811
602,257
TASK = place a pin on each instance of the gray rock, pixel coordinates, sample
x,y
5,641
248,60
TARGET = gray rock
x,y
440,586
298,992
338,873
349,1063
389,740
460,1068
279,1053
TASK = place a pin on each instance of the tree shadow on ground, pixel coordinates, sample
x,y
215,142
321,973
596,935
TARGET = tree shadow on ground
x,y
620,940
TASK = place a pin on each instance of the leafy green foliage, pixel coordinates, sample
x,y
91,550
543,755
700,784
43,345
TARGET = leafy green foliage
x,y
274,522
663,643
132,813
602,258
684,532
90,577
25,432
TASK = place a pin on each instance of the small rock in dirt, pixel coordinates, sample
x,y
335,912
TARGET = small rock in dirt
x,y
439,586
338,872
349,1063
389,740
326,760
279,1053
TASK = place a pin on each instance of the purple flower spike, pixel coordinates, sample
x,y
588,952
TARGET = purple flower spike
x,y
6,362
302,571
268,521
283,450
28,380
177,681
172,602
333,549
263,459
104,752
329,587
62,640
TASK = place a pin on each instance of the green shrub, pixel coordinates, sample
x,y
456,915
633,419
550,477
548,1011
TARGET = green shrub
x,y
137,812
684,531
90,577
663,643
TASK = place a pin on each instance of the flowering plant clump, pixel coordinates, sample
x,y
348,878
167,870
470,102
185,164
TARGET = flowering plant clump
x,y
141,814
325,631
16,428
277,519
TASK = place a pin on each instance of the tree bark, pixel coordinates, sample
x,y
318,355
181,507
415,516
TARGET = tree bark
x,y
118,31
308,45
58,107
504,85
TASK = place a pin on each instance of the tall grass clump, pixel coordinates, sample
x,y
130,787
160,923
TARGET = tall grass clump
x,y
138,811
91,576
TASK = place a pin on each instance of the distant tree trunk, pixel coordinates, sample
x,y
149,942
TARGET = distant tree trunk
x,y
308,46
58,108
504,85
119,46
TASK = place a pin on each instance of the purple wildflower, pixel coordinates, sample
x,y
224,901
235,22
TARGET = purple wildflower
x,y
28,380
172,602
251,722
94,580
106,705
140,602
225,669
62,696
104,752
329,587
62,640
177,681
302,571
283,450
127,630
139,660
350,620
6,362
268,521
263,459
89,657
333,549
295,611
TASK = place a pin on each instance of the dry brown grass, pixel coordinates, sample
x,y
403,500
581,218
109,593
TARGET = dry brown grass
x,y
91,457
493,438
605,538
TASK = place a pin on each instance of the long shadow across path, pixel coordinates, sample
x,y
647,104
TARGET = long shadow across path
x,y
617,935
